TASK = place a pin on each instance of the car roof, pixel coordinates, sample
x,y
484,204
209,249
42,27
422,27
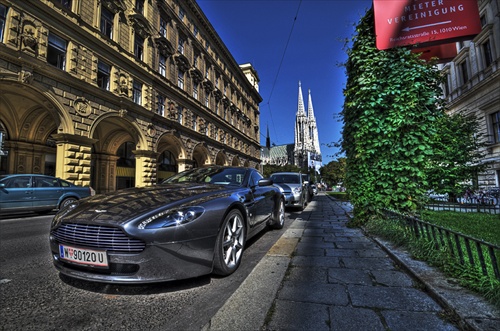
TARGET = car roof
x,y
19,175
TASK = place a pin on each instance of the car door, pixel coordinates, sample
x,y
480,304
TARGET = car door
x,y
16,194
46,192
263,198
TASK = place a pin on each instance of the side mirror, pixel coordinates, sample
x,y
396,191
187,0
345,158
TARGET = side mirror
x,y
265,182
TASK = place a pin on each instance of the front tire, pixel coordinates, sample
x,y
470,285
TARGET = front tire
x,y
230,244
279,220
302,203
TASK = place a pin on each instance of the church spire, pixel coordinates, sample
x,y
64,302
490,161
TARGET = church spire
x,y
300,123
313,129
300,108
310,110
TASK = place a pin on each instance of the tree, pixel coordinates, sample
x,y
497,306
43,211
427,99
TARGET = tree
x,y
457,153
392,101
334,172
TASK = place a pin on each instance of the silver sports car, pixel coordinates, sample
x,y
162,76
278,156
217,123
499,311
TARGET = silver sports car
x,y
194,223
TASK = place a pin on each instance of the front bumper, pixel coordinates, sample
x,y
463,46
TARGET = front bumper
x,y
156,263
292,200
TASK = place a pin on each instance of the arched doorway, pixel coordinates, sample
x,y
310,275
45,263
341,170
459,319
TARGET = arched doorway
x,y
220,159
171,156
200,156
125,166
114,160
29,118
167,165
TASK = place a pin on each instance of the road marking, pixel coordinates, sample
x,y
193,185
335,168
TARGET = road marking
x,y
4,281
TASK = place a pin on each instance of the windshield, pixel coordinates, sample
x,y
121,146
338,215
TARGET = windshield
x,y
286,178
212,175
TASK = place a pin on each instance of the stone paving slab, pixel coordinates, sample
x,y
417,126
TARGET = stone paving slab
x,y
355,319
290,315
329,294
392,298
415,321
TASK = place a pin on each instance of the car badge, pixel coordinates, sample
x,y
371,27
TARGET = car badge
x,y
100,210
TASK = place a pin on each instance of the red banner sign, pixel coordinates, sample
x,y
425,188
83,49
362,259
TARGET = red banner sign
x,y
444,52
424,22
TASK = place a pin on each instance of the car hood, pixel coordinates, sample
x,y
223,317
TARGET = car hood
x,y
122,206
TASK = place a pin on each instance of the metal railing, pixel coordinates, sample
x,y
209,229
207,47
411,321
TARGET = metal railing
x,y
464,208
481,256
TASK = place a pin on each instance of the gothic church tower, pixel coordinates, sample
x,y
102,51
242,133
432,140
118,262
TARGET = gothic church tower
x,y
306,132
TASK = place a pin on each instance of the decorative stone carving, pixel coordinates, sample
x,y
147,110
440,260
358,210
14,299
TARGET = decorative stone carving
x,y
114,5
151,130
122,112
140,25
29,37
82,106
172,110
26,76
164,46
123,85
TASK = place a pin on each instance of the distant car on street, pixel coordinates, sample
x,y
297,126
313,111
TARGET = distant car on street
x,y
292,186
315,189
38,193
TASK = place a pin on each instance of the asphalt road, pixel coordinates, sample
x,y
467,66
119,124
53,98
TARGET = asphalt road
x,y
33,296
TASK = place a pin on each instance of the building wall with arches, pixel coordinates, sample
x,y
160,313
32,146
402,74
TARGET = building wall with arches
x,y
120,93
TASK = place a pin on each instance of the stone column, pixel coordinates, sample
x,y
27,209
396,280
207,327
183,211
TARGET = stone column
x,y
145,167
184,164
73,161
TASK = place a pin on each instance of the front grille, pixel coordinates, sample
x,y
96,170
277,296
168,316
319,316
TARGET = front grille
x,y
96,236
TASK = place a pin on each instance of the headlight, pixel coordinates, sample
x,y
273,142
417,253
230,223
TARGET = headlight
x,y
297,190
61,213
172,217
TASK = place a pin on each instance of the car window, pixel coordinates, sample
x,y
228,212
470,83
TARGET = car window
x,y
64,183
17,182
45,182
254,179
229,177
292,179
216,175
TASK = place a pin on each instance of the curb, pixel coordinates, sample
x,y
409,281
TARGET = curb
x,y
467,309
262,284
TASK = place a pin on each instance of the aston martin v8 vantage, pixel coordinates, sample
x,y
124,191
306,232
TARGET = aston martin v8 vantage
x,y
194,223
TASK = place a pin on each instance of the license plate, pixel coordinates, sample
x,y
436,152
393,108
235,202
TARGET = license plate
x,y
83,256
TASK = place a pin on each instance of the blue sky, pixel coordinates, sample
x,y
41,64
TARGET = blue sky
x,y
288,41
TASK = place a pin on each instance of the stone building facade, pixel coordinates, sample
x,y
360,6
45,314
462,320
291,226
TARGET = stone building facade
x,y
472,87
121,93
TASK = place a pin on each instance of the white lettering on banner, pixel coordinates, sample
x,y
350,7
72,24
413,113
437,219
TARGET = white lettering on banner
x,y
425,13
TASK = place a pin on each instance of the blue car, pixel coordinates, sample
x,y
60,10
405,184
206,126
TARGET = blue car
x,y
38,193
